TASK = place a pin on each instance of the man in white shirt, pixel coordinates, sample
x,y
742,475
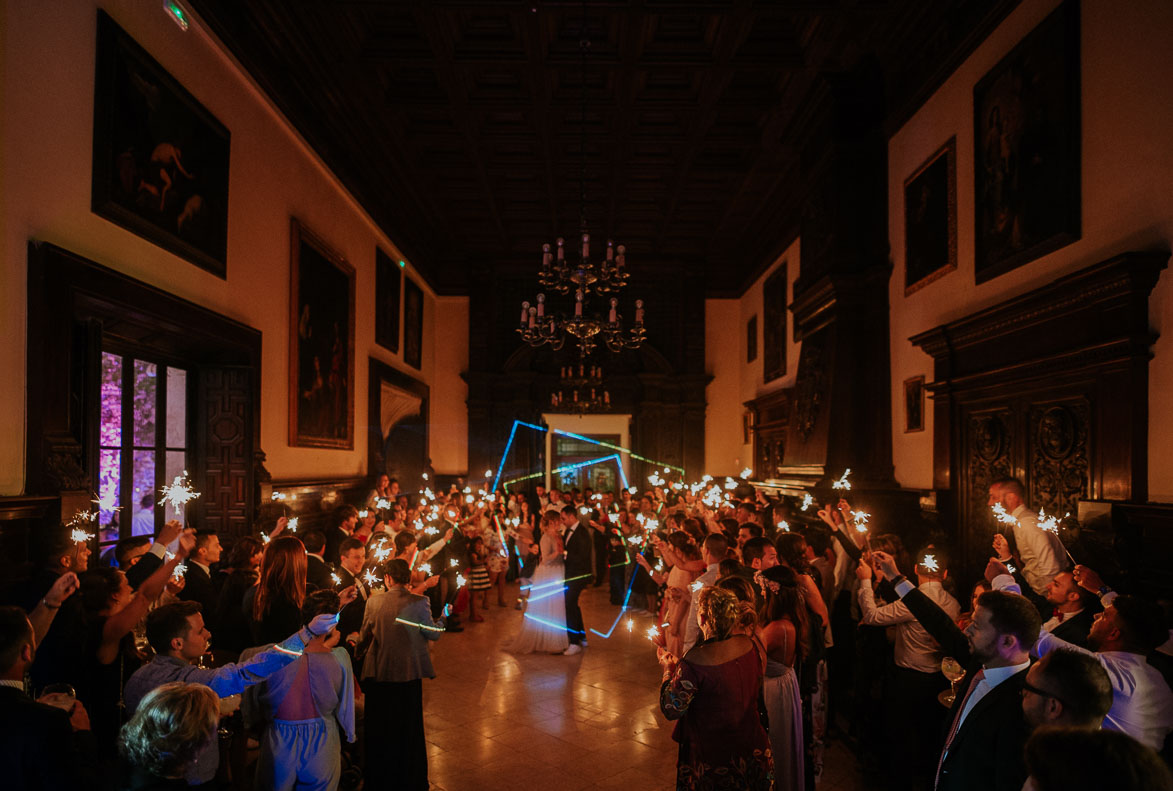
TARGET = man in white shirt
x,y
714,549
913,713
1121,636
1041,551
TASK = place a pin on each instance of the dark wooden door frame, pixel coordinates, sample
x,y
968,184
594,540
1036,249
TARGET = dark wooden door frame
x,y
1085,337
73,305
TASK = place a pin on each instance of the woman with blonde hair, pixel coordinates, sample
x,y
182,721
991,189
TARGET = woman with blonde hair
x,y
274,605
169,729
712,694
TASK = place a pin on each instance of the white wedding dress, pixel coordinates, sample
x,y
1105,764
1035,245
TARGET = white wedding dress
x,y
543,627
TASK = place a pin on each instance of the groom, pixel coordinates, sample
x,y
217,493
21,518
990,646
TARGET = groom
x,y
577,543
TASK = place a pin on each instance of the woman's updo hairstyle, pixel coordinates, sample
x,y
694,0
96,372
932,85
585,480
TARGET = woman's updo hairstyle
x,y
720,610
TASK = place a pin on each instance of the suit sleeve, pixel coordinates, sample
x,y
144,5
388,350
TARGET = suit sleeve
x,y
71,758
1010,761
939,625
421,613
137,574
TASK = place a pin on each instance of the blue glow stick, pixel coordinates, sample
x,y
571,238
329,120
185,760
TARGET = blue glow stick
x,y
420,625
622,610
552,625
533,599
545,585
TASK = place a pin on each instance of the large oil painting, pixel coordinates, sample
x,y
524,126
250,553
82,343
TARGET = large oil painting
x,y
413,323
321,343
774,325
930,220
1026,148
160,161
388,287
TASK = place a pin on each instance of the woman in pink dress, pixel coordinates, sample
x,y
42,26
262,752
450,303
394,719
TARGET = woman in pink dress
x,y
712,693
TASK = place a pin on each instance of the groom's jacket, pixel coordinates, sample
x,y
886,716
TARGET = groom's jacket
x,y
578,552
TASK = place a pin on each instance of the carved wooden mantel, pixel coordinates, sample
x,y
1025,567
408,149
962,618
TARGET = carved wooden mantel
x,y
1051,387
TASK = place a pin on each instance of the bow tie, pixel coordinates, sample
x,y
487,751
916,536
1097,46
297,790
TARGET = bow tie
x,y
1057,613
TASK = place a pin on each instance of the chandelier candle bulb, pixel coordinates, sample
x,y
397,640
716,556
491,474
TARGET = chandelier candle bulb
x,y
524,312
610,251
546,256
561,251
586,246
578,303
639,311
541,305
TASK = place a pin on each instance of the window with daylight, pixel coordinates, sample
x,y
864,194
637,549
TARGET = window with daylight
x,y
142,443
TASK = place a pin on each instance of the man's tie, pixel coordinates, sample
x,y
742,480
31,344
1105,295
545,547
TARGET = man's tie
x,y
1057,613
973,684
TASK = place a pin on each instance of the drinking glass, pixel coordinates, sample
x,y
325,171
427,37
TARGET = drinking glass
x,y
953,671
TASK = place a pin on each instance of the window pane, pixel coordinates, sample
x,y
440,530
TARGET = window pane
x,y
176,465
109,475
144,487
176,408
110,433
146,402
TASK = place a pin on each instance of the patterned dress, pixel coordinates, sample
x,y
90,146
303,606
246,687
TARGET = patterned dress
x,y
722,742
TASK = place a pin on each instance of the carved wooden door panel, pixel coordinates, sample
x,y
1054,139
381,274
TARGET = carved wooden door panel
x,y
225,435
1042,438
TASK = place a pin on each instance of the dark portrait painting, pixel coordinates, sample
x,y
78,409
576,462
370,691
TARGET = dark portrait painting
x,y
321,342
774,325
751,339
1026,148
388,287
413,323
160,159
914,404
930,220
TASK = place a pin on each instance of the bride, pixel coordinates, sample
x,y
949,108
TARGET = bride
x,y
543,628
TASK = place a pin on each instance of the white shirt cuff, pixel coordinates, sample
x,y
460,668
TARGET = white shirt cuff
x,y
903,587
1108,598
1005,582
158,550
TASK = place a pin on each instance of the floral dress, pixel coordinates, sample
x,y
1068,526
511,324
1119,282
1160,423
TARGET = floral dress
x,y
722,742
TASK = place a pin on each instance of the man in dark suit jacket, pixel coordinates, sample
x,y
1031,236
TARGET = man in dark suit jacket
x,y
983,747
317,570
198,585
345,520
41,746
351,557
577,543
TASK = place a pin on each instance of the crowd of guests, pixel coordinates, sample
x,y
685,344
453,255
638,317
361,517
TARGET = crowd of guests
x,y
153,667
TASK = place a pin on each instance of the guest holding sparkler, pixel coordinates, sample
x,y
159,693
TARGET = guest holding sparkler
x,y
712,693
1041,551
233,634
395,631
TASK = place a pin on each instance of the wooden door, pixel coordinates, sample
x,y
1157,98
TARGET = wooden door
x,y
225,415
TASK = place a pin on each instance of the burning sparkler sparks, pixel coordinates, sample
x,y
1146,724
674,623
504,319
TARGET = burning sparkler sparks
x,y
807,501
179,571
653,632
655,480
1002,516
179,493
696,586
453,563
369,578
630,624
426,568
291,525
784,526
278,497
382,503
929,563
382,553
861,520
460,580
747,472
334,578
843,483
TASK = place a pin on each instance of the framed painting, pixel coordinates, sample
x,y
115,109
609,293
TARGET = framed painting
x,y
774,325
914,404
1027,148
160,159
321,345
751,339
413,323
930,219
388,288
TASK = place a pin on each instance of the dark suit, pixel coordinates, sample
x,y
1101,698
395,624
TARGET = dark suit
x,y
317,574
987,750
578,545
352,614
334,538
147,565
60,654
1075,629
39,749
199,587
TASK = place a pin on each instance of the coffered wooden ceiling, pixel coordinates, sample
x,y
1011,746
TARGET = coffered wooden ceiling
x,y
457,124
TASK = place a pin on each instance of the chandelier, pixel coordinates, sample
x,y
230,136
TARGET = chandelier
x,y
602,276
580,390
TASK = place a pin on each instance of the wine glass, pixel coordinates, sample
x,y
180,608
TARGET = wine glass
x,y
953,671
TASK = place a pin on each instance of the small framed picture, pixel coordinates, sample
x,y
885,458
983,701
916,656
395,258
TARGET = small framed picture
x,y
930,219
914,404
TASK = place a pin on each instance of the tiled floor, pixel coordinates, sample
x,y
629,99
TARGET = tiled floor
x,y
591,721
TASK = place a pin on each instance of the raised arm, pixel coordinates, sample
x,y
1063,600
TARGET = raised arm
x,y
936,621
889,614
121,622
46,610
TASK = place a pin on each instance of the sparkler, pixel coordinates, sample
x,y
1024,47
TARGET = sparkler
x,y
179,493
843,483
784,526
382,504
655,480
730,484
265,538
363,514
426,568
179,571
453,563
929,563
334,578
1050,524
653,632
79,536
748,471
807,501
630,624
369,578
381,553
460,580
1002,516
278,497
696,586
291,525
861,520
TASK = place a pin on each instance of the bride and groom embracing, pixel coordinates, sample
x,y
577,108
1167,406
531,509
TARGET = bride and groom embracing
x,y
553,621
